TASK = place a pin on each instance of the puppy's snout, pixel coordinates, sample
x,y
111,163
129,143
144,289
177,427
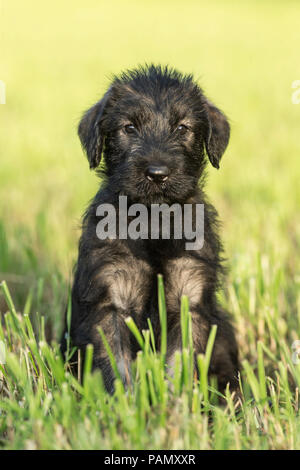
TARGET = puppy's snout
x,y
156,173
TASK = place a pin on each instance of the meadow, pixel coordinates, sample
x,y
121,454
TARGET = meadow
x,y
56,60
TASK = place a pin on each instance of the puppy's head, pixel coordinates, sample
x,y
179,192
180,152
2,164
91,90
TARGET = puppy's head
x,y
154,126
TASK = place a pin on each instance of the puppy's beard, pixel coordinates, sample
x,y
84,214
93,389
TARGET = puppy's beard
x,y
149,193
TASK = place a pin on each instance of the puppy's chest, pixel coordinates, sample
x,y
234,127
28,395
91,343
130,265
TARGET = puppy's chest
x,y
134,281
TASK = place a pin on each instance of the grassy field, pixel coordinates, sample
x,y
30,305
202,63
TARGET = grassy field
x,y
56,60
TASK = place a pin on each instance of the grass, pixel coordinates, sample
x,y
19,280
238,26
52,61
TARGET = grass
x,y
55,411
56,60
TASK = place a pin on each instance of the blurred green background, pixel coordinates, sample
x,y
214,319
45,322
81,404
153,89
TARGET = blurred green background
x,y
57,59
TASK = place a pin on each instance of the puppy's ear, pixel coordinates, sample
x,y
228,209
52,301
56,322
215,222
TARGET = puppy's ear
x,y
91,133
217,133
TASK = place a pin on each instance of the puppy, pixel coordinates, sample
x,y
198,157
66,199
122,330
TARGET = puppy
x,y
156,131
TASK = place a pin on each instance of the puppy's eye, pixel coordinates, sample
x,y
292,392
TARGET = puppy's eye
x,y
182,129
129,129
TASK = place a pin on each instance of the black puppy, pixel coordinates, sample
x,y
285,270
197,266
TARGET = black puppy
x,y
154,127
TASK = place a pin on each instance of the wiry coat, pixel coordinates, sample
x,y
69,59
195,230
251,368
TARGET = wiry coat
x,y
151,116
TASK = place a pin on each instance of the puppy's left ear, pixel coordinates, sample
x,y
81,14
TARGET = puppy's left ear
x,y
217,133
91,133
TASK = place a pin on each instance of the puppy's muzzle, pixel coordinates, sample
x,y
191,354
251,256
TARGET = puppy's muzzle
x,y
157,174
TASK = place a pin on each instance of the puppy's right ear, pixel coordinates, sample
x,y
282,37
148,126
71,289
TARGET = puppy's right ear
x,y
217,133
91,133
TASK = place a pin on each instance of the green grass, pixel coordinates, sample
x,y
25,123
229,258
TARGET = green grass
x,y
55,397
55,411
56,60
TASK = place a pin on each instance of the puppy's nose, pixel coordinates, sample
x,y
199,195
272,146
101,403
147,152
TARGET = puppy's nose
x,y
158,174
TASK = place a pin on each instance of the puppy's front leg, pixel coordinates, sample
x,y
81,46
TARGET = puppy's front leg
x,y
103,296
188,276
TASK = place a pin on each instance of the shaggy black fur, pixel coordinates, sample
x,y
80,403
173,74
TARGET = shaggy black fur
x,y
151,116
